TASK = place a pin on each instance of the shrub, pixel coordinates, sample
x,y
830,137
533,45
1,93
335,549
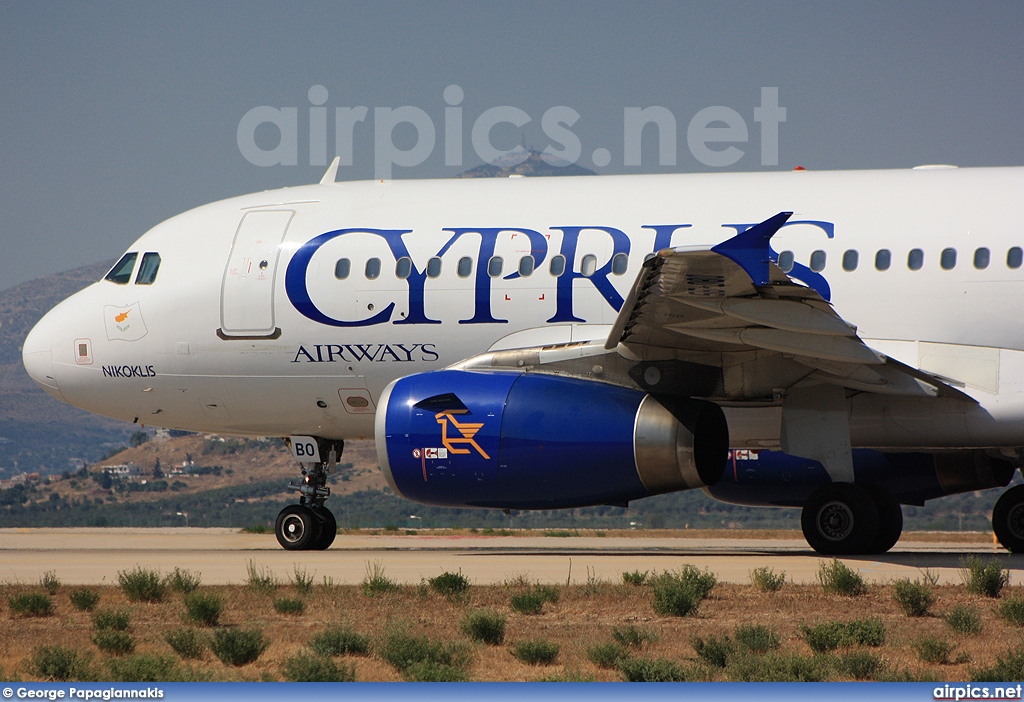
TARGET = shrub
x,y
651,670
187,643
932,649
203,608
607,655
636,578
50,583
60,663
302,579
451,585
30,604
238,647
766,579
83,599
984,577
309,667
714,651
1009,666
1012,610
485,626
111,619
860,665
829,636
838,578
375,582
964,619
147,668
548,593
340,641
536,651
678,594
183,581
756,638
142,585
779,668
866,632
529,602
289,605
114,641
260,579
632,637
420,659
914,598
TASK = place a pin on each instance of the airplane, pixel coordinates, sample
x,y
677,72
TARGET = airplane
x,y
843,342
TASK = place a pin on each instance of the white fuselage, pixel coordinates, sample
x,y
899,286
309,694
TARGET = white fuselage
x,y
252,326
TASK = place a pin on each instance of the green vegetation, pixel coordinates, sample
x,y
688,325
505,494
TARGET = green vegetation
x,y
984,577
964,619
376,582
839,579
289,605
111,620
651,670
50,583
114,641
419,659
30,604
338,640
310,667
780,667
486,626
678,594
203,608
1012,609
713,651
187,643
829,636
61,663
860,665
260,579
607,655
529,602
932,649
756,638
83,599
183,581
142,584
914,598
302,580
451,585
632,637
238,647
1009,666
635,578
536,651
149,668
766,579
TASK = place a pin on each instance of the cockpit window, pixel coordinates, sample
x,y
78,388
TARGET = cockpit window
x,y
148,268
121,273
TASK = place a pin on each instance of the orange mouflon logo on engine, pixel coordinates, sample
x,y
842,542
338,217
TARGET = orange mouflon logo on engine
x,y
467,430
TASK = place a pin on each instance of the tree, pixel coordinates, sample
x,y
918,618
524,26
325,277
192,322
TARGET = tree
x,y
157,473
138,438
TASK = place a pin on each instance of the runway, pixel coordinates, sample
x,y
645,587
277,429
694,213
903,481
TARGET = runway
x,y
94,556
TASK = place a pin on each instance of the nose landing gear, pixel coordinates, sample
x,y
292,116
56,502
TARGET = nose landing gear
x,y
309,525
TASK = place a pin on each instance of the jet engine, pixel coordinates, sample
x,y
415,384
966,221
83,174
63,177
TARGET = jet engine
x,y
514,440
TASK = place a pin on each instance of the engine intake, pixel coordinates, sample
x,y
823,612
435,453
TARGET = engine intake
x,y
528,441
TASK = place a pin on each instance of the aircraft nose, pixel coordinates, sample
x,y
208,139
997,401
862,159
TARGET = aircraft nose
x,y
36,355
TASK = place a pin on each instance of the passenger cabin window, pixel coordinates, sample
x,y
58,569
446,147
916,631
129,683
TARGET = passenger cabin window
x,y
786,261
526,265
465,267
588,266
883,259
342,268
915,259
403,267
434,267
557,265
495,266
373,269
121,273
620,262
850,260
947,259
981,258
1014,257
818,261
148,268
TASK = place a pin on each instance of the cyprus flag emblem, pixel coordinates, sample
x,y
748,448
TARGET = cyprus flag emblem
x,y
124,323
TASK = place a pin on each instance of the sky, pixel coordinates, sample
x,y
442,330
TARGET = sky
x,y
117,115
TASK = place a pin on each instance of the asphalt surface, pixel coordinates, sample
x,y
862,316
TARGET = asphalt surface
x,y
94,556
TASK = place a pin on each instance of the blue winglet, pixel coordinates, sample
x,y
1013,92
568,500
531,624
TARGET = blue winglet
x,y
751,249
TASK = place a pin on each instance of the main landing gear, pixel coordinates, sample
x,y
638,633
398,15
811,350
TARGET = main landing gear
x,y
843,519
1008,519
309,525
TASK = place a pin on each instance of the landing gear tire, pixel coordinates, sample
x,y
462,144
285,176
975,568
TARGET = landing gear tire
x,y
297,528
328,528
1008,519
890,519
840,519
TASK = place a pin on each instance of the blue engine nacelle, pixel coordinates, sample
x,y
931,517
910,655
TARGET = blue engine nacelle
x,y
773,478
527,441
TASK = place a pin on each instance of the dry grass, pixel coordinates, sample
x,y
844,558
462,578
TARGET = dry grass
x,y
578,621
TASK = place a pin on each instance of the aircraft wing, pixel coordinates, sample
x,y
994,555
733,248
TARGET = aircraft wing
x,y
731,305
